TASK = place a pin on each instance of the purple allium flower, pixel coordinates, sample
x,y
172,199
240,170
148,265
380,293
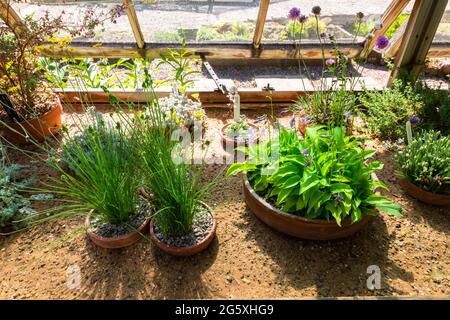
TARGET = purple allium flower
x,y
302,18
323,35
307,164
294,13
305,152
414,119
292,122
330,62
382,42
316,10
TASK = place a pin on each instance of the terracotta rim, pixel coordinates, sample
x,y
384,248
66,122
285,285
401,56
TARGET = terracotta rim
x,y
228,141
298,226
117,242
423,195
191,250
39,128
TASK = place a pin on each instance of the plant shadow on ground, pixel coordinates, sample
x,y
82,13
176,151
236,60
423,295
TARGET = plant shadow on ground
x,y
124,273
335,268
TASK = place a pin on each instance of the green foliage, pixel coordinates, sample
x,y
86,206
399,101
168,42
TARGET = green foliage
x,y
239,31
174,181
426,162
13,205
105,178
306,30
435,113
396,24
325,176
164,36
180,63
362,28
389,109
237,129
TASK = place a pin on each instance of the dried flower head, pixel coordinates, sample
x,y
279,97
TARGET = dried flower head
x,y
359,16
302,18
378,25
294,13
316,10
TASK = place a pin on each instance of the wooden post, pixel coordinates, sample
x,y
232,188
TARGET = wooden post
x,y
10,16
392,12
260,22
422,25
134,23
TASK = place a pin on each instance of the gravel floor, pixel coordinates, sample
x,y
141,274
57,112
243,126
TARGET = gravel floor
x,y
246,260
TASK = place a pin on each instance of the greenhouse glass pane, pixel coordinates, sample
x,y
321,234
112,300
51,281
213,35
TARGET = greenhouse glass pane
x,y
443,31
336,17
114,25
197,21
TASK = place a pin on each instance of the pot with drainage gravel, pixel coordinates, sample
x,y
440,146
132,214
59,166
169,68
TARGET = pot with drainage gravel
x,y
102,185
182,223
319,188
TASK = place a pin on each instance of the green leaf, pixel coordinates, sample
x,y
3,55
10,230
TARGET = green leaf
x,y
291,182
235,168
310,182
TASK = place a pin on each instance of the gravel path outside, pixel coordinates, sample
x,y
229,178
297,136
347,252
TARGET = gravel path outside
x,y
167,16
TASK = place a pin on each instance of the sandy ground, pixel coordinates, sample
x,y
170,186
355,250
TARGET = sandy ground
x,y
246,260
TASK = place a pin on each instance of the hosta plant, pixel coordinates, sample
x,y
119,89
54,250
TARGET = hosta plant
x,y
325,176
425,162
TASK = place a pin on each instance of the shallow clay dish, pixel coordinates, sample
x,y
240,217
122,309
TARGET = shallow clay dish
x,y
424,196
297,226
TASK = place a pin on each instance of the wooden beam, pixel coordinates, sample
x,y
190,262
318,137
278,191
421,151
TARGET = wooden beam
x,y
260,22
211,50
420,31
394,9
134,23
396,40
10,16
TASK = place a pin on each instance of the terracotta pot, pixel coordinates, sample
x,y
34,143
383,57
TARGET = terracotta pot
x,y
233,141
117,242
186,251
45,126
297,226
424,196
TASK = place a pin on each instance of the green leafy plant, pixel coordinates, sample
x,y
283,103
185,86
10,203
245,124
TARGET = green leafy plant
x,y
21,77
425,162
105,185
307,29
325,176
13,204
389,109
435,113
180,62
238,128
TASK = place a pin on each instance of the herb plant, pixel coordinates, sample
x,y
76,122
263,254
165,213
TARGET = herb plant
x,y
389,109
325,176
426,162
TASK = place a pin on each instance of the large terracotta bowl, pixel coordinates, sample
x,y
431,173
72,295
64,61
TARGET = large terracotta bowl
x,y
424,196
186,251
117,242
297,226
38,129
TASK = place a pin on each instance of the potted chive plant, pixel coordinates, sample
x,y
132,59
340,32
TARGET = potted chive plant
x,y
29,109
182,224
105,188
319,188
424,167
238,132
